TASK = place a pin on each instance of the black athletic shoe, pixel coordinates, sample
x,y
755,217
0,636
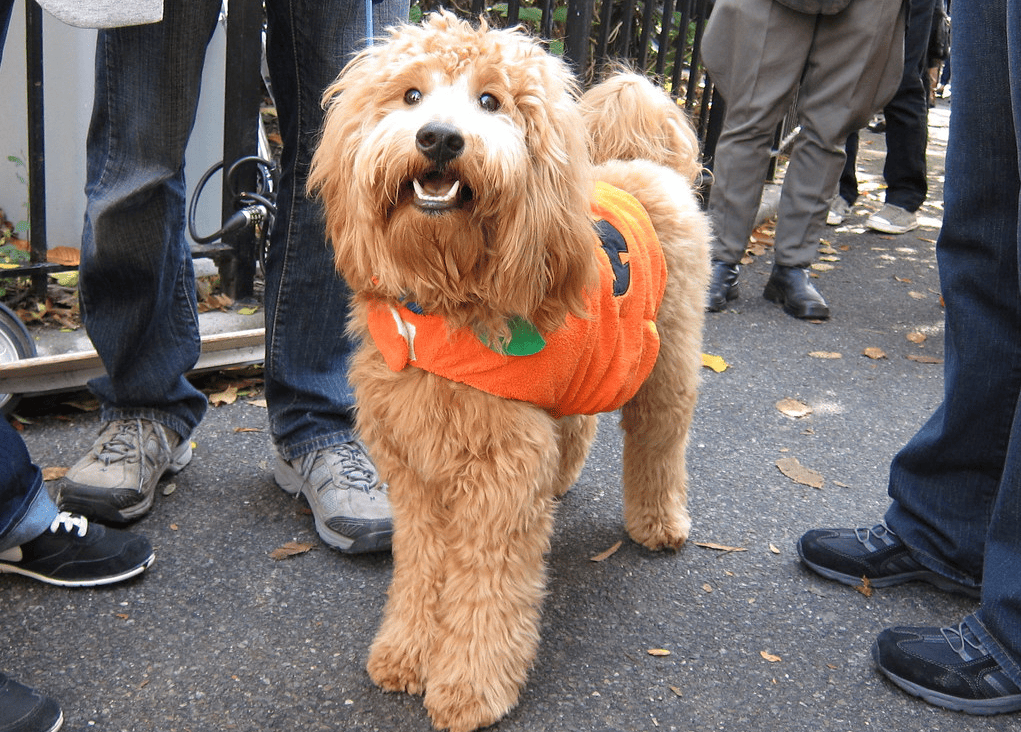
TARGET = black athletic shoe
x,y
947,667
849,556
25,710
76,553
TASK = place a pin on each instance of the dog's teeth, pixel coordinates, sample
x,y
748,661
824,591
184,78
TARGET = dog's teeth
x,y
448,196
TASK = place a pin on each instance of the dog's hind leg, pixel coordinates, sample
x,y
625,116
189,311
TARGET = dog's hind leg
x,y
501,518
575,435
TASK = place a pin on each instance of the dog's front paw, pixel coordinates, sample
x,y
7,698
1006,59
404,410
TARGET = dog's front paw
x,y
462,708
658,533
393,668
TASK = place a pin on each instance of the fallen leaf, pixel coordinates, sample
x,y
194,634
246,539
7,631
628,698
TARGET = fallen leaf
x,y
257,402
793,408
716,363
905,280
169,488
227,396
248,429
174,527
797,472
826,354
865,587
719,547
829,258
774,548
917,295
923,359
821,266
290,549
769,656
676,690
248,311
53,473
874,353
916,337
122,616
658,652
606,554
707,587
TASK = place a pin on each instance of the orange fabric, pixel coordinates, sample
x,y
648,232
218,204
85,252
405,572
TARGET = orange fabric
x,y
589,365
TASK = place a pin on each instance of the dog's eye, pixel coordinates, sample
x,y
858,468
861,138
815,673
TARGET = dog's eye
x,y
412,97
489,103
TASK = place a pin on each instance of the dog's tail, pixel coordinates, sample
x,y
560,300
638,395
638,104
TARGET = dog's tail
x,y
630,118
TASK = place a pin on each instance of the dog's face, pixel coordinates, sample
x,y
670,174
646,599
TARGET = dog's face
x,y
454,172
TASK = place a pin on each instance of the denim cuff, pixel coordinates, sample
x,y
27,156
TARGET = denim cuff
x,y
36,519
1009,665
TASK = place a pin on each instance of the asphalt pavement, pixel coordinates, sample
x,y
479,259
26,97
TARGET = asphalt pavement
x,y
218,635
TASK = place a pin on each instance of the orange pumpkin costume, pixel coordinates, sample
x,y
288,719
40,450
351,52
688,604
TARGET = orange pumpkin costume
x,y
589,365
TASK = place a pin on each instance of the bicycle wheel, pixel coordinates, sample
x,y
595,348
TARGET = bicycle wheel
x,y
15,344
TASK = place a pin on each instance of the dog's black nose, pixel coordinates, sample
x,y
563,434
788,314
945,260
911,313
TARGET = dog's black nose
x,y
439,142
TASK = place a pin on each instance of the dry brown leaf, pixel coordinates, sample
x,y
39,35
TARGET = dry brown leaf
x,y
122,616
922,358
174,527
874,353
658,652
227,396
826,354
865,587
774,548
821,267
707,587
257,402
793,408
290,549
53,473
797,472
248,429
606,554
719,547
769,656
677,690
916,337
905,280
916,295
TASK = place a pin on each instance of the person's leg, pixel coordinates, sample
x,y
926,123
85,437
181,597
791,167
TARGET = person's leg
x,y
754,51
26,509
907,127
307,346
137,282
854,65
848,186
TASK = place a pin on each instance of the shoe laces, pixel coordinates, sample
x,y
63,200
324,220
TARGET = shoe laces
x,y
967,646
879,532
123,444
69,522
351,459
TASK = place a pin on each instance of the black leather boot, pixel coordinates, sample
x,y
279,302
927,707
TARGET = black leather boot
x,y
790,287
722,286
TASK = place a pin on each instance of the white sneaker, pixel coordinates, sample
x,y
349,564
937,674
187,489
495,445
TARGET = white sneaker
x,y
839,210
892,219
350,506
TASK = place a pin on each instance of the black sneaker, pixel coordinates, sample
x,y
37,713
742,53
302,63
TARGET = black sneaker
x,y
947,667
25,710
75,553
851,555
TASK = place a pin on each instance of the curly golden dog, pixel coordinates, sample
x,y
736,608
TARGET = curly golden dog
x,y
521,258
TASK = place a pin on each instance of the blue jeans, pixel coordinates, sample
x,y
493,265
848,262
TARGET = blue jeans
x,y
26,509
956,485
137,281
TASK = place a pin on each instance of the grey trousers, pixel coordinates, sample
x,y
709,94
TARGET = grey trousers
x,y
759,54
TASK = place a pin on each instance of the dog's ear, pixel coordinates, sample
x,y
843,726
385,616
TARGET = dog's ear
x,y
550,230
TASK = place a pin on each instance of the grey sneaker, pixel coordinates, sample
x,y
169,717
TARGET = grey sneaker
x,y
892,219
350,505
839,210
116,480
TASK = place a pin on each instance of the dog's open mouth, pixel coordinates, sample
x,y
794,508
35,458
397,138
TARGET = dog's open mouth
x,y
436,191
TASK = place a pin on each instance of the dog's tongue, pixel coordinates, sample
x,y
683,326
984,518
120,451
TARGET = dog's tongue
x,y
436,192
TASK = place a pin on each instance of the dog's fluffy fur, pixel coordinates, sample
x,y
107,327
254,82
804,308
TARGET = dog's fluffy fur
x,y
474,477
